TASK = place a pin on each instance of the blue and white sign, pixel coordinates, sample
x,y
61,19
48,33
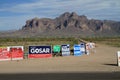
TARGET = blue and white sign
x,y
65,50
77,51
39,51
82,48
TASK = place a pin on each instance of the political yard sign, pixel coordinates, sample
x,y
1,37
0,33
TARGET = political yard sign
x,y
40,52
17,52
56,48
82,48
65,50
77,50
4,54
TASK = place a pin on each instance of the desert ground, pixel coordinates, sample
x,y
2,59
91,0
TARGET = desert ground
x,y
99,65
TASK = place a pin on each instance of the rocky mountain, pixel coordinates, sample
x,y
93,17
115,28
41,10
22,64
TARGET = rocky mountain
x,y
68,24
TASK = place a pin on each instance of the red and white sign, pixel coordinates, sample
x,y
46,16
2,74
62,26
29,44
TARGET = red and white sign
x,y
4,54
16,52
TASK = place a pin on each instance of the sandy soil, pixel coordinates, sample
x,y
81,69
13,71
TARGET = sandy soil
x,y
104,60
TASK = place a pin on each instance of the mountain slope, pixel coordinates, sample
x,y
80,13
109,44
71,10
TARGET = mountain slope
x,y
68,24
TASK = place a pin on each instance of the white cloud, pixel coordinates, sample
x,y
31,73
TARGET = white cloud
x,y
58,6
100,9
50,4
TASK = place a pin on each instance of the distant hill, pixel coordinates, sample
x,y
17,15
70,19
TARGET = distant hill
x,y
66,25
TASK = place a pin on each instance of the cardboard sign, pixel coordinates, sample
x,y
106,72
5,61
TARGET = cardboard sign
x,y
77,51
16,52
4,54
65,50
39,52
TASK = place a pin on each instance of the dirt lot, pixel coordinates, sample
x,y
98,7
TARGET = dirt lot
x,y
99,65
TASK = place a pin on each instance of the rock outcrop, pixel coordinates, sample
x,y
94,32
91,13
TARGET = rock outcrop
x,y
69,24
71,20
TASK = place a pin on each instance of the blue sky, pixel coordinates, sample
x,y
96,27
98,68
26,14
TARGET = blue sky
x,y
14,13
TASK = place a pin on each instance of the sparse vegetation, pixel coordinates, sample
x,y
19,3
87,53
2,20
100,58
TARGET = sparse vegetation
x,y
112,41
36,41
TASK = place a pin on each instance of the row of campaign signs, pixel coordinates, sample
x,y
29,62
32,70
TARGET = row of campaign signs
x,y
17,52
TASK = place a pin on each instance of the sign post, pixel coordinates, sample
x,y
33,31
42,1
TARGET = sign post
x,y
118,58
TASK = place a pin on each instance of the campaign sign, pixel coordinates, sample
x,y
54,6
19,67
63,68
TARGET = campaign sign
x,y
16,52
39,52
65,50
82,48
4,54
56,48
77,51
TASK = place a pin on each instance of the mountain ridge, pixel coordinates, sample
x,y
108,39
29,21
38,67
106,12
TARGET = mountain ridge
x,y
68,24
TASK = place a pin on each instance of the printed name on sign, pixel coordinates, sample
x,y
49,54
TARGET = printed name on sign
x,y
40,50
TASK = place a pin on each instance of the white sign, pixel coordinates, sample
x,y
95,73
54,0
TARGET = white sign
x,y
118,58
65,50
